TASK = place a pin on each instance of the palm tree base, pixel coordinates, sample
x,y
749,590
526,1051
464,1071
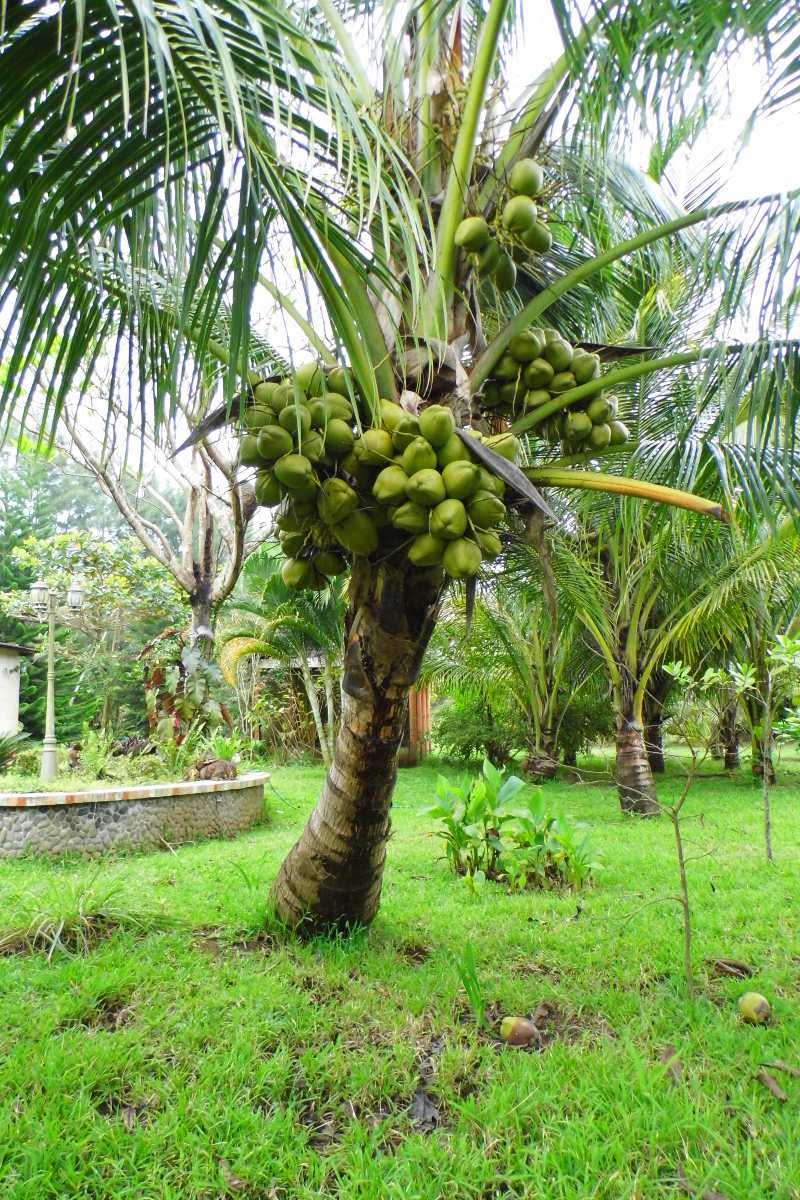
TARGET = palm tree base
x,y
635,786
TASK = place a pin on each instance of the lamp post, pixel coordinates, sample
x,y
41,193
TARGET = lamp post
x,y
44,604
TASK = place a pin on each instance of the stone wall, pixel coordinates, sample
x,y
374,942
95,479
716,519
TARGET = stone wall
x,y
129,818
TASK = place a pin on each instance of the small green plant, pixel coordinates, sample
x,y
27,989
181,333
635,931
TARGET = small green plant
x,y
467,969
491,832
10,745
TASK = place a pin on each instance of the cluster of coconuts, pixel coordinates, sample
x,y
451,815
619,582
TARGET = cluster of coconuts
x,y
519,233
407,484
538,366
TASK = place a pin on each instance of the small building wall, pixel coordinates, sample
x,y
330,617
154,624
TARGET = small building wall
x,y
151,816
9,688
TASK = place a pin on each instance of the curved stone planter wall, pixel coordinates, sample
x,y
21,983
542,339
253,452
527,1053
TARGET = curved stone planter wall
x,y
133,818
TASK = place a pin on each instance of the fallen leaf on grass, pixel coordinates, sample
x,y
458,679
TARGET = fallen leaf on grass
x,y
423,1110
731,967
772,1085
785,1067
234,1182
668,1055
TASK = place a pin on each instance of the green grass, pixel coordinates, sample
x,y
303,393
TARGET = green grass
x,y
163,1063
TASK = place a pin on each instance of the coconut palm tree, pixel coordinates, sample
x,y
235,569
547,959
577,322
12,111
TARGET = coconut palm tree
x,y
265,619
162,159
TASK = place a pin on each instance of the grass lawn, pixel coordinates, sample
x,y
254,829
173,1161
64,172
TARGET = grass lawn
x,y
201,1061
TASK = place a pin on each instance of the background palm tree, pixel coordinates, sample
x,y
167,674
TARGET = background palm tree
x,y
161,157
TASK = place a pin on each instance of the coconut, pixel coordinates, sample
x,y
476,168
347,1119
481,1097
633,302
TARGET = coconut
x,y
426,550
405,432
426,487
472,234
339,438
268,490
519,1031
248,451
538,373
336,501
461,479
312,445
362,474
263,393
504,444
257,417
419,455
461,558
328,562
558,353
339,380
505,273
485,510
390,485
585,366
599,410
411,518
619,432
283,395
487,482
600,436
755,1008
564,381
489,542
526,346
538,238
374,448
274,442
577,425
292,543
295,472
452,451
357,533
490,397
295,416
289,521
311,378
488,258
519,215
436,424
526,178
296,572
304,506
448,520
507,368
536,397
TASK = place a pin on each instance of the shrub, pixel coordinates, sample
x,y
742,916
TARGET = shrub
x,y
465,729
491,832
10,745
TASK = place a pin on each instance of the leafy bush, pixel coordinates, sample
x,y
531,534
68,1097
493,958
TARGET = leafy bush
x,y
10,745
587,721
491,832
465,729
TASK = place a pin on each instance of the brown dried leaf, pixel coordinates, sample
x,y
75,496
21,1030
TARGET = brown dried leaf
x,y
731,967
234,1182
668,1055
785,1067
772,1085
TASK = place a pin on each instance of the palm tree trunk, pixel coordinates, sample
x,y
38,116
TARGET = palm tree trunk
x,y
543,762
729,736
332,876
635,786
655,698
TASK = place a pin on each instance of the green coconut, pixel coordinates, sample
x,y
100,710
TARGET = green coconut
x,y
577,425
526,178
538,238
600,436
585,366
292,543
558,353
312,445
564,381
426,550
448,520
405,433
472,234
328,562
248,451
297,572
488,258
461,479
352,465
538,374
535,397
374,448
490,396
336,501
283,395
391,414
461,558
485,510
419,455
411,518
452,451
505,273
436,424
426,487
258,416
339,380
488,482
390,485
507,368
504,444
489,542
311,378
619,432
274,442
267,489
295,416
357,533
263,393
339,438
519,215
755,1008
294,471
600,410
526,346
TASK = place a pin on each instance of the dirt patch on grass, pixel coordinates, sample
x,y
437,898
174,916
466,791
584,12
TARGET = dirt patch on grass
x,y
220,944
134,1112
50,936
110,1012
414,953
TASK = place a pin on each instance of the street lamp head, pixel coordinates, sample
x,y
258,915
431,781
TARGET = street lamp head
x,y
75,595
40,595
